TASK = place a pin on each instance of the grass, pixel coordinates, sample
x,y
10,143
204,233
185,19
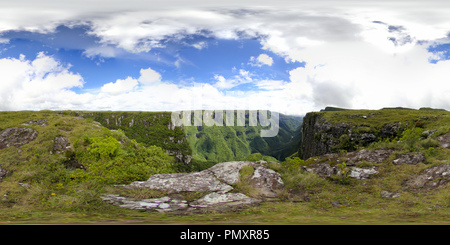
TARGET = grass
x,y
39,190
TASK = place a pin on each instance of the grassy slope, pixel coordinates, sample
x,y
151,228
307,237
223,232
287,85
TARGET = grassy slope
x,y
360,200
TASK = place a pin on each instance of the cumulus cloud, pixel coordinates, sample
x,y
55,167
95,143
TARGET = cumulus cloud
x,y
262,59
149,77
43,83
357,55
120,86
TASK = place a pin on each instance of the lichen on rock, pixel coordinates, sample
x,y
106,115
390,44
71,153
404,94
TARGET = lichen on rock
x,y
216,182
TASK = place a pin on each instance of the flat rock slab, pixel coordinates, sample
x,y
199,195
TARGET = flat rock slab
x,y
212,201
203,181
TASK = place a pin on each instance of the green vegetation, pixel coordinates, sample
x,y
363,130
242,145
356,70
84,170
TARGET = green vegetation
x,y
386,126
234,143
72,181
65,187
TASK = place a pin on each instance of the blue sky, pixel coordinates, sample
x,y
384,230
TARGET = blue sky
x,y
293,57
178,61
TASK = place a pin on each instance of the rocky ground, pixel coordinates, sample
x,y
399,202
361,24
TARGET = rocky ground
x,y
216,182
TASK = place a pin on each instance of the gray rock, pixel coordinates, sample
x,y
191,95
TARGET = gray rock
x,y
228,172
444,140
40,122
233,199
386,194
60,144
433,177
203,181
216,182
266,181
326,170
16,136
362,173
374,156
3,173
407,158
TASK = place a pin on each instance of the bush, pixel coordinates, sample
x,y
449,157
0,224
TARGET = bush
x,y
254,157
104,148
292,163
411,137
108,161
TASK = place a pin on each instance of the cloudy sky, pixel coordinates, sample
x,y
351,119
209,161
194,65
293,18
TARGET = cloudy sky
x,y
288,56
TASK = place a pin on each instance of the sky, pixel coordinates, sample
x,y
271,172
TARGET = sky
x,y
288,56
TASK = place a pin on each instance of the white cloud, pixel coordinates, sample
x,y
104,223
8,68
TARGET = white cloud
x,y
120,86
262,59
149,77
242,78
200,45
43,83
358,55
271,84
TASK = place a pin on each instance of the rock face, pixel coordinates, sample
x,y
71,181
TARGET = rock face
x,y
216,181
149,128
16,136
320,136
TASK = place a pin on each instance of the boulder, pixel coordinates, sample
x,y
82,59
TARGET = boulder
x,y
444,140
203,181
216,182
16,136
361,173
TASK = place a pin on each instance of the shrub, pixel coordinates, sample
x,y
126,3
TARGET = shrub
x,y
292,163
411,137
254,157
102,148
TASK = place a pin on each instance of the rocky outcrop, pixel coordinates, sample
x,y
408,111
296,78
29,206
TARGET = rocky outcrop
x,y
16,136
321,136
60,144
328,166
433,177
409,158
444,140
216,182
40,122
